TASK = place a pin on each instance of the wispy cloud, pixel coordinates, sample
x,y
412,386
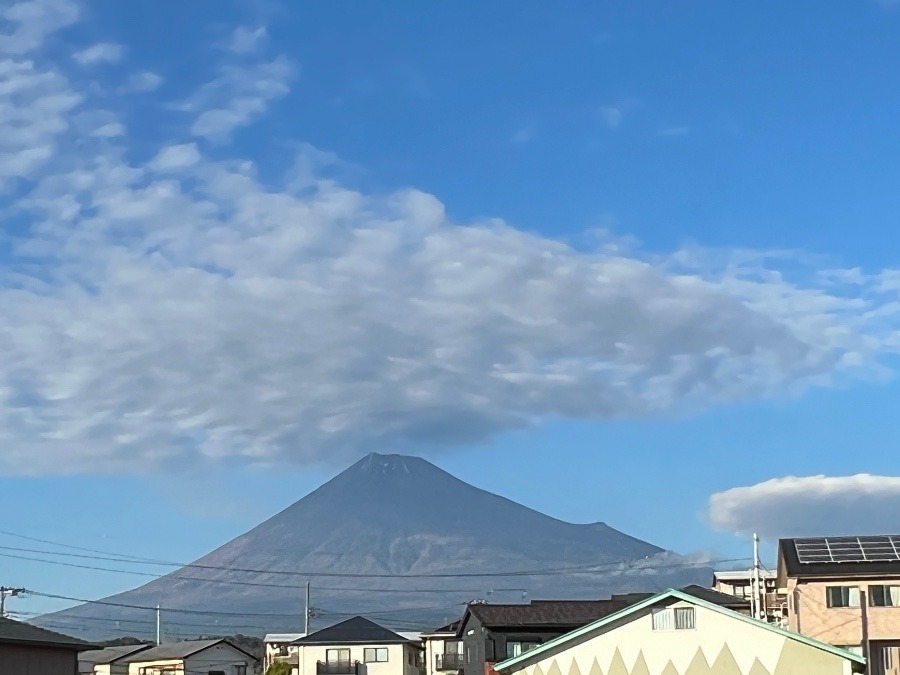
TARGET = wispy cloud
x,y
672,132
103,52
144,81
524,134
32,20
246,40
180,309
612,116
237,97
809,506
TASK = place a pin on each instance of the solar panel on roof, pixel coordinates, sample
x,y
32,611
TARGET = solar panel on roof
x,y
848,549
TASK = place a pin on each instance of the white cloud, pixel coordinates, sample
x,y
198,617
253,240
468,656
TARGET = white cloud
x,y
810,506
175,157
26,24
103,52
181,310
612,116
246,40
144,81
110,130
675,131
240,95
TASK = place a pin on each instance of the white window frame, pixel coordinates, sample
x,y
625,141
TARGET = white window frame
x,y
852,593
666,618
378,651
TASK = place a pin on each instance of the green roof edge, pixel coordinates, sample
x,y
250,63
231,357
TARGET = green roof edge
x,y
675,593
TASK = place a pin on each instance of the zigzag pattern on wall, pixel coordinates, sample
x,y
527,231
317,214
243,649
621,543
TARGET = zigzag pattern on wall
x,y
793,660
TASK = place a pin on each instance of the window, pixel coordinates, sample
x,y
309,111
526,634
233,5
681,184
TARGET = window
x,y
468,655
673,618
884,596
337,656
842,596
241,669
742,590
282,650
516,648
374,655
216,672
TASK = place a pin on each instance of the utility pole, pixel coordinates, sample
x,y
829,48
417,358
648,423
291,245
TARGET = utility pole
x,y
306,613
158,631
7,592
756,593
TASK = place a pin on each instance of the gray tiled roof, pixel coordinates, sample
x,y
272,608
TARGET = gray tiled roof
x,y
25,633
179,650
358,630
110,654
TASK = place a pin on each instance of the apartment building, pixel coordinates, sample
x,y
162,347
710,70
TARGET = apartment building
x,y
739,583
845,591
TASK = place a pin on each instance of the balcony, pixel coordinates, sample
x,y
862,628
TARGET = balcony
x,y
448,662
337,668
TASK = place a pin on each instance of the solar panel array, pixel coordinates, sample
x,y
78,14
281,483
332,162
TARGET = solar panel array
x,y
884,548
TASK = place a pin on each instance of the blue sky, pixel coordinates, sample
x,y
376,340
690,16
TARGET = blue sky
x,y
629,262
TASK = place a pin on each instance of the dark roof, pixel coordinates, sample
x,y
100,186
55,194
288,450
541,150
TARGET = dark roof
x,y
24,633
576,613
710,595
110,654
449,628
549,613
358,630
790,563
180,650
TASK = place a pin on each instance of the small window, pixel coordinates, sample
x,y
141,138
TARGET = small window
x,y
884,596
518,648
468,655
673,618
374,655
842,596
337,655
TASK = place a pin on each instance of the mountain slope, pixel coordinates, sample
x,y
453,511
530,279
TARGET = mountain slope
x,y
385,516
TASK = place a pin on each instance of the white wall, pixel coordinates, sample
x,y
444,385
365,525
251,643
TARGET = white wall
x,y
397,663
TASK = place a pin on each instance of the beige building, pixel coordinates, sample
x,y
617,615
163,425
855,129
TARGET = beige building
x,y
739,583
846,591
442,650
192,657
109,660
674,633
357,646
279,647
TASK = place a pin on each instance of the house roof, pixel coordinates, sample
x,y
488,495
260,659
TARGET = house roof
x,y
110,654
282,637
449,629
673,594
355,631
575,613
545,613
12,631
180,650
790,563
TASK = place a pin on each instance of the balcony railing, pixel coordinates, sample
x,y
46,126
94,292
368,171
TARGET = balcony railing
x,y
448,662
337,668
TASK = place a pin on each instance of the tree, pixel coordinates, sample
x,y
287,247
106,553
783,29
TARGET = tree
x,y
279,668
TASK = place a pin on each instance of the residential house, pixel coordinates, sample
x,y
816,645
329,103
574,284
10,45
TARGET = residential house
x,y
192,657
443,652
846,591
357,646
27,649
675,633
109,660
489,633
740,584
280,647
